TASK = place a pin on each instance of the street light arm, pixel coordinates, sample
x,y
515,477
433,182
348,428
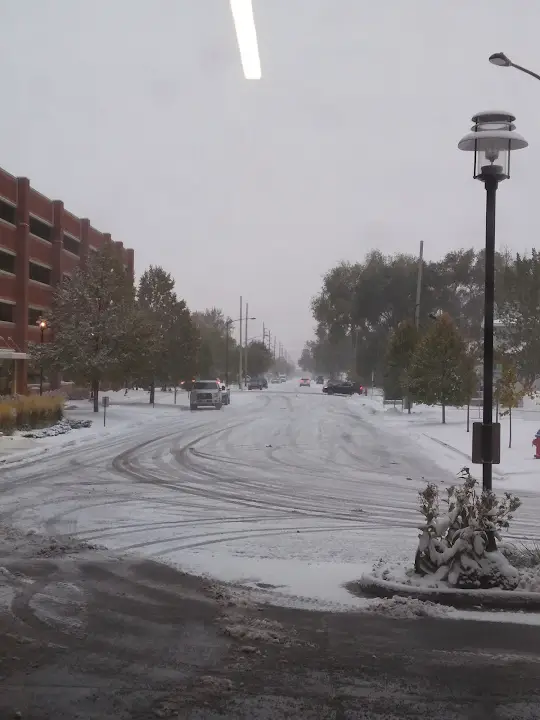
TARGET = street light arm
x,y
502,60
529,72
230,322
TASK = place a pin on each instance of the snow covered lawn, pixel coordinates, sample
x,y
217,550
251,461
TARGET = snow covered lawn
x,y
450,445
121,420
125,414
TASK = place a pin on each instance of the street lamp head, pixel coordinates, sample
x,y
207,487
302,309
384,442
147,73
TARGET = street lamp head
x,y
42,324
500,59
492,139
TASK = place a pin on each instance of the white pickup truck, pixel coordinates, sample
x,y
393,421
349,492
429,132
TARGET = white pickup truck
x,y
209,393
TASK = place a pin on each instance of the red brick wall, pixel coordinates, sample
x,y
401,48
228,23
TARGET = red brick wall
x,y
27,293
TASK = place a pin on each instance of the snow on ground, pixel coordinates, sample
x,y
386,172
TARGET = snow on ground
x,y
450,445
126,413
286,492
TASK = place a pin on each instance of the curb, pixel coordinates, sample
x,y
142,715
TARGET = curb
x,y
450,447
470,599
497,475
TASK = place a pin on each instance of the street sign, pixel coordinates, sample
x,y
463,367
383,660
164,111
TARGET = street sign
x,y
105,403
480,436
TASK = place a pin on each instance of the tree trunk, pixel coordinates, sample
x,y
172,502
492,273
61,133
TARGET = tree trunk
x,y
510,433
444,413
95,393
468,417
152,393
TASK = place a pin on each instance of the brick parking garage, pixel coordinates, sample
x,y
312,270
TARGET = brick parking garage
x,y
40,244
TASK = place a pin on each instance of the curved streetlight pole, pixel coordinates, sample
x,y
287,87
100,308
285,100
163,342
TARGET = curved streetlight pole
x,y
228,324
501,60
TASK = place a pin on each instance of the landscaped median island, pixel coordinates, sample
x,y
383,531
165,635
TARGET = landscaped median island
x,y
457,561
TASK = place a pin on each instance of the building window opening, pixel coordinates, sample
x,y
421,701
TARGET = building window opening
x,y
6,312
34,315
39,273
72,245
7,212
7,262
40,229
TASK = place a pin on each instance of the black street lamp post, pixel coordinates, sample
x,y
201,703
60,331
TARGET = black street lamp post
x,y
492,139
501,60
42,325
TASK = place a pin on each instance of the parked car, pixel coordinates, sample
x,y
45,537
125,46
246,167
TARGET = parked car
x,y
257,383
305,382
319,380
206,393
282,378
342,387
226,395
275,381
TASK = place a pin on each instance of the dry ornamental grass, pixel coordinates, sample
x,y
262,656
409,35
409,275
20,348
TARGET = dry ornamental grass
x,y
28,412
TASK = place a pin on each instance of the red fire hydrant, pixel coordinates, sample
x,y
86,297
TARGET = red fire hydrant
x,y
536,443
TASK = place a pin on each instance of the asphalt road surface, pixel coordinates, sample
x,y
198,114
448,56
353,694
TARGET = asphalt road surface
x,y
93,633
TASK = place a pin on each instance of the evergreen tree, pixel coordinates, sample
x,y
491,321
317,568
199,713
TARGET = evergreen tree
x,y
170,350
94,322
440,369
182,346
157,300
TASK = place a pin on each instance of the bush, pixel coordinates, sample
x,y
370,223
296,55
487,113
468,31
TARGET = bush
x,y
522,556
7,418
457,543
29,411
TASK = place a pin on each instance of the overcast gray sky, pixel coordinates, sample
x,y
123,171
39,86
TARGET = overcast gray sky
x,y
136,114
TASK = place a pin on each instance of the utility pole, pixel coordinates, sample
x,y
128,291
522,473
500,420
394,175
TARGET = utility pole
x,y
240,350
419,285
274,347
269,341
246,342
264,335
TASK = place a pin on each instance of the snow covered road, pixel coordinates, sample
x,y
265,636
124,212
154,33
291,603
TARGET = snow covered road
x,y
287,491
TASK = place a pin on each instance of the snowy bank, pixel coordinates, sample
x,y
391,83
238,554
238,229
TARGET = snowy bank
x,y
449,445
391,579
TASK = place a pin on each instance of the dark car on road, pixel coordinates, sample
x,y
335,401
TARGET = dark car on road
x,y
257,383
343,387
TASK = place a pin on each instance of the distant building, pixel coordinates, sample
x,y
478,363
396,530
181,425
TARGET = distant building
x,y
40,244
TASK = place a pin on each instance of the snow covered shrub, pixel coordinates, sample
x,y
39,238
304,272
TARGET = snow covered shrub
x,y
522,556
455,544
60,428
